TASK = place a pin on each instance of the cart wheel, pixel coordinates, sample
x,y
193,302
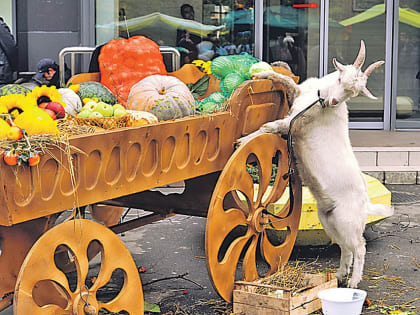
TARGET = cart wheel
x,y
237,219
43,288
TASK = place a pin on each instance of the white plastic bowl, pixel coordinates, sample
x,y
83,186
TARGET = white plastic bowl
x,y
342,301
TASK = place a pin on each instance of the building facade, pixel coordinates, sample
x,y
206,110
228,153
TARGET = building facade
x,y
306,34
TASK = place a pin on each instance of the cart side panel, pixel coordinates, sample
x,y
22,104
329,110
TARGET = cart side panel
x,y
115,164
130,160
256,102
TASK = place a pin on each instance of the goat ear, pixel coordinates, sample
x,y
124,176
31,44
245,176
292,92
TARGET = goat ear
x,y
360,59
338,66
367,93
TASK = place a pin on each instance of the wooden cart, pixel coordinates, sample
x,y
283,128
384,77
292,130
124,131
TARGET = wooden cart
x,y
117,169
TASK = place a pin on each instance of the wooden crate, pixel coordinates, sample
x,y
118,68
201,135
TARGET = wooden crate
x,y
305,301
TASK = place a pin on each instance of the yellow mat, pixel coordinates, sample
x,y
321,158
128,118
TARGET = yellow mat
x,y
310,229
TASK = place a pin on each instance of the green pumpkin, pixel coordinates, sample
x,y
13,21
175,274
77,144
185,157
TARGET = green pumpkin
x,y
13,89
91,89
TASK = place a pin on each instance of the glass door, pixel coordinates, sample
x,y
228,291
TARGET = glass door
x,y
407,101
292,35
349,23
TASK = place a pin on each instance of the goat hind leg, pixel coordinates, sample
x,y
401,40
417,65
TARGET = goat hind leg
x,y
346,260
328,219
359,252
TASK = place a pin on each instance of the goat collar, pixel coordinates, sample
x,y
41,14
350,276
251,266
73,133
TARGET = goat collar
x,y
320,100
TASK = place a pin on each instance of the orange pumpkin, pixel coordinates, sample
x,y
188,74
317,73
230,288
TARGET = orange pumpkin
x,y
123,62
164,96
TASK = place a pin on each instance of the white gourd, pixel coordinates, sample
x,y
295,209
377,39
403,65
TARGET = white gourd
x,y
72,101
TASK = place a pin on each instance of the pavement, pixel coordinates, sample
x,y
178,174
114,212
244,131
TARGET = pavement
x,y
175,278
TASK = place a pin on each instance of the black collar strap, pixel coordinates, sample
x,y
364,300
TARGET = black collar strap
x,y
292,172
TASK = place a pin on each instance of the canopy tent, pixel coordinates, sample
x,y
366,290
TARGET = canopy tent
x,y
279,16
407,16
275,16
156,18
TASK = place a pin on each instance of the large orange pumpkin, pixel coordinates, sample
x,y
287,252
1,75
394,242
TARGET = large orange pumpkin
x,y
164,96
123,62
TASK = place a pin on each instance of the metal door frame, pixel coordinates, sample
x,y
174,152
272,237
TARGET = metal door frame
x,y
391,62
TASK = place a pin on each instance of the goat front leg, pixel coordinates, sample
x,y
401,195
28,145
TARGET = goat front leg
x,y
280,126
247,138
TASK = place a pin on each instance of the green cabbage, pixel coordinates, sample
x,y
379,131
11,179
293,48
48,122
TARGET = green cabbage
x,y
259,67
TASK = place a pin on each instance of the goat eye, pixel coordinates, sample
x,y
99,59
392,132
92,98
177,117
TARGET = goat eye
x,y
339,80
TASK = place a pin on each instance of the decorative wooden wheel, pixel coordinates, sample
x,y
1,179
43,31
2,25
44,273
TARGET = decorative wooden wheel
x,y
43,287
239,219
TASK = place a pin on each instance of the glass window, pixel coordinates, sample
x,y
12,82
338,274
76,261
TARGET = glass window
x,y
291,34
350,22
6,12
408,71
200,29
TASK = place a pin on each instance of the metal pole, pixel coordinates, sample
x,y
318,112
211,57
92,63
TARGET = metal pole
x,y
258,28
71,50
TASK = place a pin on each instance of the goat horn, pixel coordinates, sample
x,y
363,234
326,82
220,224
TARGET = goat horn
x,y
337,65
367,93
360,59
373,67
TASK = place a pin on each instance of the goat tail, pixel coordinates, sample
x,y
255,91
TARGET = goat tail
x,y
379,209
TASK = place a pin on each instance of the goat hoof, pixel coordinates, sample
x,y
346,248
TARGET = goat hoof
x,y
340,275
353,283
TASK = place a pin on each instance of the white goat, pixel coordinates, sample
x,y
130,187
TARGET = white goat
x,y
324,157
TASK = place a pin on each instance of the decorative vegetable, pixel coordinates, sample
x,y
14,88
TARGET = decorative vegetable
x,y
212,103
221,66
224,65
14,133
34,159
165,96
72,100
259,67
124,62
35,122
91,89
13,89
10,158
231,82
139,118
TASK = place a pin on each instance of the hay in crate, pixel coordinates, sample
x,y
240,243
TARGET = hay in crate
x,y
292,290
103,122
294,277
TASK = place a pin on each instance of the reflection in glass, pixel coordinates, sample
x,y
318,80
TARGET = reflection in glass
x,y
408,71
291,34
199,29
349,23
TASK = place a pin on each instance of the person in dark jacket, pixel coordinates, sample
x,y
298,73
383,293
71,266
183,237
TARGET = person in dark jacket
x,y
8,54
185,39
47,73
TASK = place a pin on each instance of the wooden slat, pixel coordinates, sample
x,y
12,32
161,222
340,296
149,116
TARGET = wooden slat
x,y
260,300
246,301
